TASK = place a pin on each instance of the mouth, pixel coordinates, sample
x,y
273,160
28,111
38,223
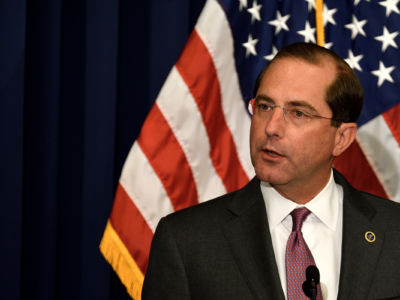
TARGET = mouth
x,y
271,154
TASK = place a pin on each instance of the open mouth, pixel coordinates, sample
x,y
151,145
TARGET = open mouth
x,y
272,153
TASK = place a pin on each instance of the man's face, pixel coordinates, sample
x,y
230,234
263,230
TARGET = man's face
x,y
286,153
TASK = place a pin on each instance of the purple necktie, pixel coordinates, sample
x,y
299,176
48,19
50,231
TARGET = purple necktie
x,y
298,258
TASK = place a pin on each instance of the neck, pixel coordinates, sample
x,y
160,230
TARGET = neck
x,y
303,192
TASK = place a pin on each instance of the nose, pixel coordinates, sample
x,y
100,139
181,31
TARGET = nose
x,y
276,123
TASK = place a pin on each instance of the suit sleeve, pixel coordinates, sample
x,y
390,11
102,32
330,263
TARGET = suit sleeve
x,y
165,276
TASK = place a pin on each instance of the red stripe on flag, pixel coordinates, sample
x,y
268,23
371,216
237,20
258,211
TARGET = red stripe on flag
x,y
355,167
131,228
393,121
198,71
168,160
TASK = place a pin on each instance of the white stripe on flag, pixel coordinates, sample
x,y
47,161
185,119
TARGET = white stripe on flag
x,y
383,153
144,187
214,30
181,112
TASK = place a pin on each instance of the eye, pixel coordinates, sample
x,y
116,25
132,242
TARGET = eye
x,y
298,114
264,107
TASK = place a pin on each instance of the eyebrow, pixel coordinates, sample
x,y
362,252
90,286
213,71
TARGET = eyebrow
x,y
299,103
293,103
264,97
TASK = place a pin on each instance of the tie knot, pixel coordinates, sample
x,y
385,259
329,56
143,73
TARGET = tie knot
x,y
298,216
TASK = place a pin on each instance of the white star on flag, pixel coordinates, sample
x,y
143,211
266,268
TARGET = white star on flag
x,y
358,1
255,11
272,55
280,22
242,4
383,73
391,6
250,46
356,27
353,61
308,33
311,4
327,15
387,39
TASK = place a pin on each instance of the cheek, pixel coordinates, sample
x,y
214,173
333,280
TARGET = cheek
x,y
321,146
326,140
251,131
312,145
253,142
256,132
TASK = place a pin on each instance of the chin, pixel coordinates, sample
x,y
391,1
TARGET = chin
x,y
270,177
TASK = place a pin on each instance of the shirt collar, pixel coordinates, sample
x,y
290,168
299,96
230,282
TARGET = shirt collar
x,y
325,205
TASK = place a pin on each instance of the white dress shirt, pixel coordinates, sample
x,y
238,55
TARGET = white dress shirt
x,y
322,231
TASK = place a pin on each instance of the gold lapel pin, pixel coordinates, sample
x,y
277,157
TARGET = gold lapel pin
x,y
370,236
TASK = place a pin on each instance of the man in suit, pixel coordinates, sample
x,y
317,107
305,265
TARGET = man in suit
x,y
243,245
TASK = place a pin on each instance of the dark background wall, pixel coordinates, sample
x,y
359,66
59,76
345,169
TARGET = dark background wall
x,y
77,78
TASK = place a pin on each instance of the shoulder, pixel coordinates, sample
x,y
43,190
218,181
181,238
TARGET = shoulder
x,y
209,211
387,211
215,211
380,209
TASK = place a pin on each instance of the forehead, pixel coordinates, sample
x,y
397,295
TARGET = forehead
x,y
291,79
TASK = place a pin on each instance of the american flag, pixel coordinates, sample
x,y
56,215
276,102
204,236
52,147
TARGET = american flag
x,y
194,144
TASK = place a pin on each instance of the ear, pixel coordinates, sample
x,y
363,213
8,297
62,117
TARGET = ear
x,y
345,135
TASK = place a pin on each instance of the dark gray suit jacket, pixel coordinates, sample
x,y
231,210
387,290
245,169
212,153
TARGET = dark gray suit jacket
x,y
222,249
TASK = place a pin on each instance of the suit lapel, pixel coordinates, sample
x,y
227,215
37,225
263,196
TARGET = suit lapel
x,y
249,238
359,257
